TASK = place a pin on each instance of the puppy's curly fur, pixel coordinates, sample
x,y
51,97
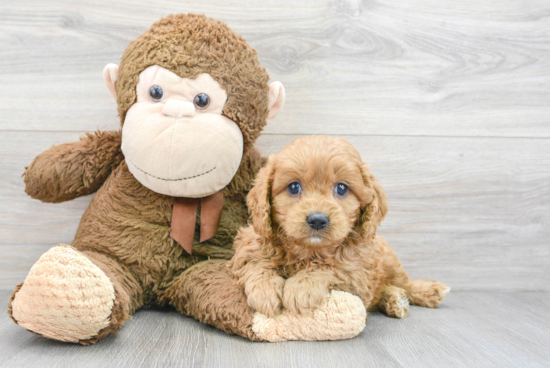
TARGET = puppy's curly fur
x,y
281,261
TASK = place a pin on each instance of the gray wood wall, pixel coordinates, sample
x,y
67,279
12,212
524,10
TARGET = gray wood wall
x,y
448,100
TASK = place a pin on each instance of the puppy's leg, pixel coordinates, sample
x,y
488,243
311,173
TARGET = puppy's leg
x,y
394,302
426,293
307,290
264,291
262,286
422,292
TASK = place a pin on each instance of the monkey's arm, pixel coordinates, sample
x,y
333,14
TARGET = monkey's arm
x,y
71,170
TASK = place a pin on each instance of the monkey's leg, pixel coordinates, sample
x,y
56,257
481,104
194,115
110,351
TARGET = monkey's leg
x,y
209,294
422,292
75,296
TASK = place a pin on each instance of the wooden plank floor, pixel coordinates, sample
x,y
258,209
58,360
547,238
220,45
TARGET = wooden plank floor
x,y
470,329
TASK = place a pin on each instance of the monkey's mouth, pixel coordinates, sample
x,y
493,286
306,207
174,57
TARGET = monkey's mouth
x,y
167,179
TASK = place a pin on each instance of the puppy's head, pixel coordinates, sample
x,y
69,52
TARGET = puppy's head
x,y
316,192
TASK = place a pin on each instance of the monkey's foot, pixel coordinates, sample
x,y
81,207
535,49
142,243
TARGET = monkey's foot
x,y
65,297
342,316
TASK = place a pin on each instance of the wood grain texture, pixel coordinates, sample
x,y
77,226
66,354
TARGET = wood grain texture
x,y
468,330
470,212
448,100
374,67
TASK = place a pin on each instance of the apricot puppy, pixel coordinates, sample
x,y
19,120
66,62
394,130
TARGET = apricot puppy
x,y
315,208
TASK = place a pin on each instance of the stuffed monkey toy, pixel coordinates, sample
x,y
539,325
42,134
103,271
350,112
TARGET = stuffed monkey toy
x,y
170,196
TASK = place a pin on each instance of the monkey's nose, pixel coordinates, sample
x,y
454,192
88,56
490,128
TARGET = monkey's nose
x,y
178,108
317,221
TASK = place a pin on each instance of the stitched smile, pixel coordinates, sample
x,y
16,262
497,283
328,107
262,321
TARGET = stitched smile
x,y
186,178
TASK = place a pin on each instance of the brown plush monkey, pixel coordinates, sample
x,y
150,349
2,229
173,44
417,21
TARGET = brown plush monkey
x,y
192,99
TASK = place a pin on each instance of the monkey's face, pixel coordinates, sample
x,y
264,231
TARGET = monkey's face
x,y
192,95
176,140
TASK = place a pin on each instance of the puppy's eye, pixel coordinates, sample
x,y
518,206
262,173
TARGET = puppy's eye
x,y
156,93
294,188
341,189
201,101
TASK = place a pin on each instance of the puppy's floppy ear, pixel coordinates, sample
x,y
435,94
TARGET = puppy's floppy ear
x,y
259,199
374,208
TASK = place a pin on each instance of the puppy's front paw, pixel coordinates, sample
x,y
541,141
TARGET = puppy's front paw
x,y
264,295
302,294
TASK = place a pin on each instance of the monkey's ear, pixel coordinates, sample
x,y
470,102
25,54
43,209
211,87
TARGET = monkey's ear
x,y
275,99
110,74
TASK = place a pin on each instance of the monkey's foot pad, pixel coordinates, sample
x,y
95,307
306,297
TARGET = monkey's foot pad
x,y
342,316
65,297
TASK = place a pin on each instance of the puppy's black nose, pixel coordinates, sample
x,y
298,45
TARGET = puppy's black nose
x,y
317,221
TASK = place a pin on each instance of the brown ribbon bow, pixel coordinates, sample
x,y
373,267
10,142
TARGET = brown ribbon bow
x,y
184,217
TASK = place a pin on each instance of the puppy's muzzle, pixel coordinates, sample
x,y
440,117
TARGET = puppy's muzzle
x,y
317,221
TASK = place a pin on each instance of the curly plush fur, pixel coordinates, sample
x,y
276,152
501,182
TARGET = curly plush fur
x,y
282,262
125,232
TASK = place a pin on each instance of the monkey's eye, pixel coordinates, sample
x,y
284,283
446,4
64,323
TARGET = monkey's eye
x,y
201,101
341,189
294,188
156,93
